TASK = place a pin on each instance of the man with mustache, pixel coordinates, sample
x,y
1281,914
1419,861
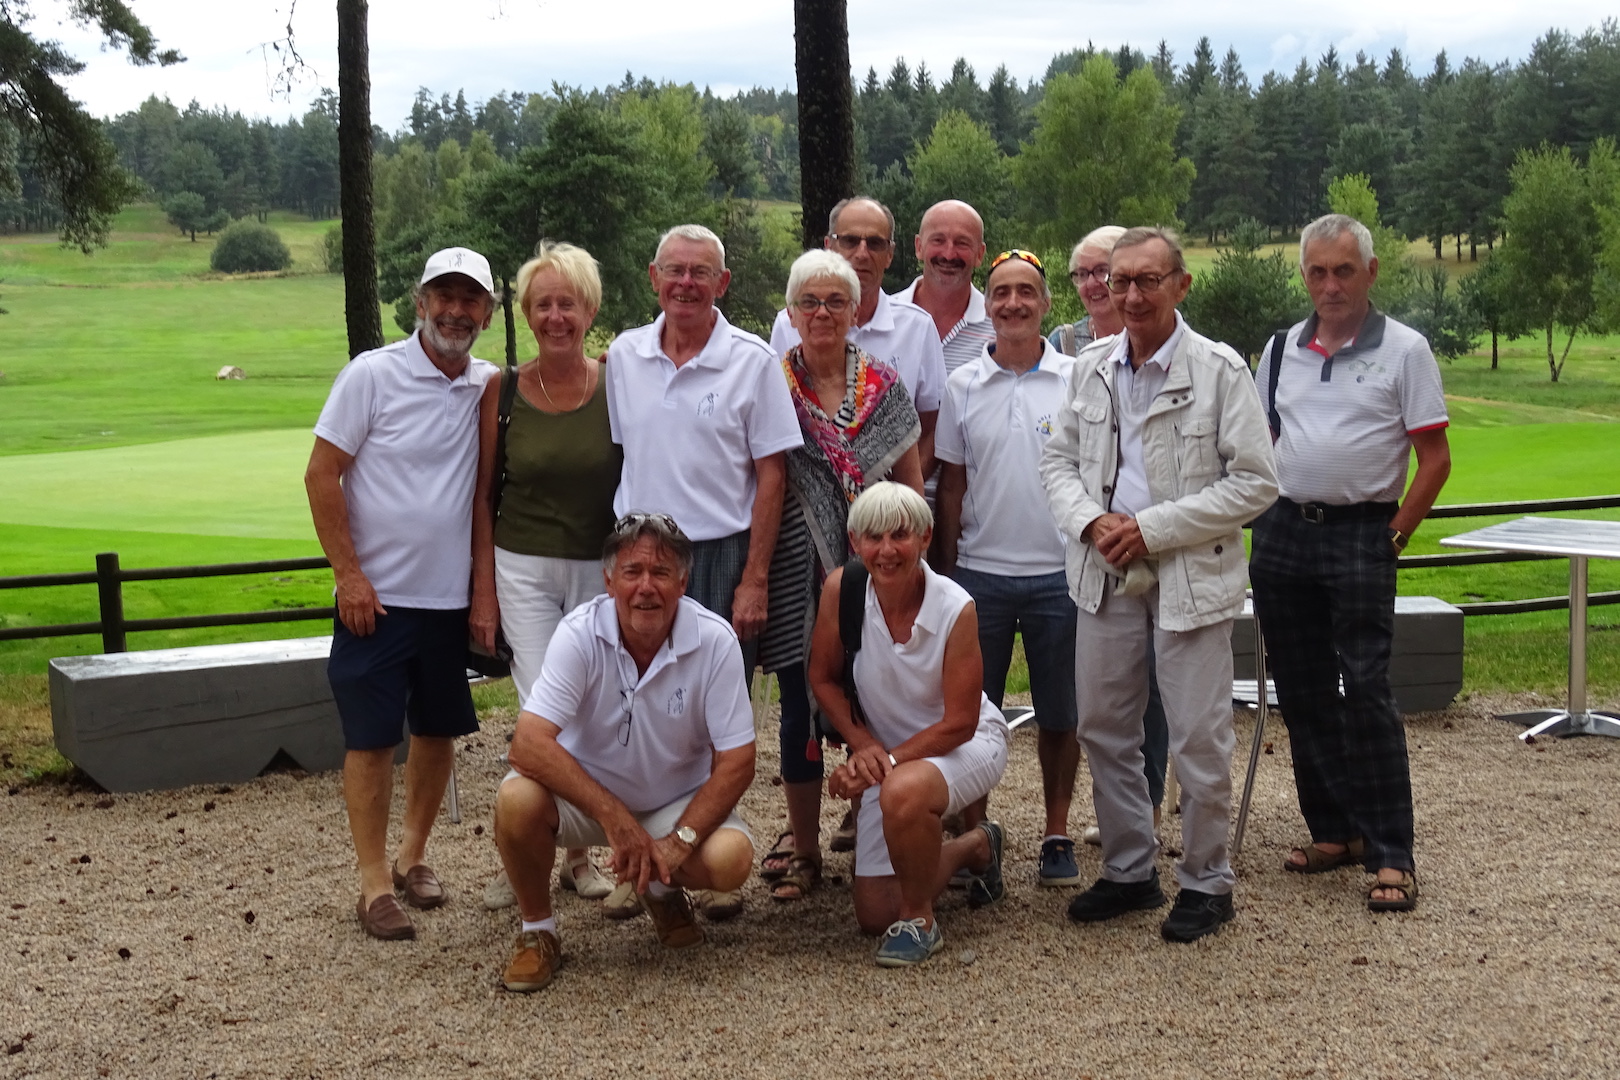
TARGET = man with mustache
x,y
391,484
705,419
950,246
1159,456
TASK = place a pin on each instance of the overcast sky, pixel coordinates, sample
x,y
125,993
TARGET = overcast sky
x,y
490,46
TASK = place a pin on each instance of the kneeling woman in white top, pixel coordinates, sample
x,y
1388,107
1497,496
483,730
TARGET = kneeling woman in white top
x,y
929,741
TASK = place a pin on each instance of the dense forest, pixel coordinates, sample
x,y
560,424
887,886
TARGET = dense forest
x,y
1102,135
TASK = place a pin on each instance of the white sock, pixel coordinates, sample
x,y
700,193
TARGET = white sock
x,y
1054,836
658,890
549,924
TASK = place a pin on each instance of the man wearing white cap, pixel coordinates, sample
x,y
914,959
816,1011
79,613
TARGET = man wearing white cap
x,y
391,484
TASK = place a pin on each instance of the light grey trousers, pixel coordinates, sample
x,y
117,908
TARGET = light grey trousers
x,y
1111,691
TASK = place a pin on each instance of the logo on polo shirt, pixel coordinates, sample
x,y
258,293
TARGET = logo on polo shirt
x,y
706,406
1044,424
677,700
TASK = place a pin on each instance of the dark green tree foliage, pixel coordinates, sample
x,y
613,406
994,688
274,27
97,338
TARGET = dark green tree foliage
x,y
187,211
70,153
1005,111
248,247
1485,294
1441,315
728,142
1246,297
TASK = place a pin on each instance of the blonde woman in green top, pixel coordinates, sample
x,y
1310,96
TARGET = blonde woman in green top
x,y
555,499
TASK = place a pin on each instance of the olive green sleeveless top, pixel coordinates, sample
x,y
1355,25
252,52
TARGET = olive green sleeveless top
x,y
562,470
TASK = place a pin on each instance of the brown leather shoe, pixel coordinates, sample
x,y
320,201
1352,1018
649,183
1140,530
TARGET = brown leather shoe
x,y
673,920
421,886
385,919
536,956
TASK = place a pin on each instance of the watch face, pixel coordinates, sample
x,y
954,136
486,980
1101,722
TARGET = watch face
x,y
686,834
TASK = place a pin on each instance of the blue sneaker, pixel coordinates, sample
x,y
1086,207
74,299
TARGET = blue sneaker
x,y
988,886
1057,862
907,944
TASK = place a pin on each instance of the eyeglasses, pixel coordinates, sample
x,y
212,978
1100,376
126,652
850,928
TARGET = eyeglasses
x,y
1022,256
628,698
877,245
1096,273
697,272
637,518
835,305
1145,283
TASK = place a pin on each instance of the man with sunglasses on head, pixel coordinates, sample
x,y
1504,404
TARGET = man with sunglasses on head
x,y
900,334
638,734
1159,456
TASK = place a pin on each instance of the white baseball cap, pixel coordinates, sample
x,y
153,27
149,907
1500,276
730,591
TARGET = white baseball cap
x,y
459,260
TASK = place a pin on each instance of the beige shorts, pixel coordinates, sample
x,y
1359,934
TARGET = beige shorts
x,y
576,829
970,771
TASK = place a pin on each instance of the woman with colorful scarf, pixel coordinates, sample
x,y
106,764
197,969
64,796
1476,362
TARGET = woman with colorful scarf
x,y
859,427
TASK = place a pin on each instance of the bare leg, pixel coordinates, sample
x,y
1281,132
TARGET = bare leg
x,y
368,787
427,773
804,816
526,833
721,864
973,813
914,796
1059,754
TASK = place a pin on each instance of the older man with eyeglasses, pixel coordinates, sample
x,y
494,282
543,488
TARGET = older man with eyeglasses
x,y
889,329
1159,456
638,734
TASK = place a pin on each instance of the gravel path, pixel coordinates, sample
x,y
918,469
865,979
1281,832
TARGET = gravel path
x,y
211,932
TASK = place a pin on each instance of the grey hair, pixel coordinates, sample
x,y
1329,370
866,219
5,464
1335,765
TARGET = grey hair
x,y
818,264
700,233
1103,238
1143,234
1332,226
832,218
664,532
886,506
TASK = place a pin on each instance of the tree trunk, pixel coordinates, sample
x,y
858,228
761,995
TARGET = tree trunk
x,y
826,112
1459,247
1494,353
360,301
1552,364
511,325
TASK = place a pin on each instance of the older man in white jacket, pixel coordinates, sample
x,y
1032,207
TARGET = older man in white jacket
x,y
1159,456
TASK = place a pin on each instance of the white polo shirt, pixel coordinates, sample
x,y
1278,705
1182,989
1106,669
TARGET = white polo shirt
x,y
1134,391
413,435
968,338
996,423
691,434
1347,420
901,335
692,701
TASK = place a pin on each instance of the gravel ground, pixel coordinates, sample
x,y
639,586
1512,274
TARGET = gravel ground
x,y
211,932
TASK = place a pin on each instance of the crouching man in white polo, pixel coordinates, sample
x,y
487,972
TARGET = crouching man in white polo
x,y
638,736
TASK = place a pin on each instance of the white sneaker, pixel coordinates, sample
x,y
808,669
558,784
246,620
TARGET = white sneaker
x,y
622,902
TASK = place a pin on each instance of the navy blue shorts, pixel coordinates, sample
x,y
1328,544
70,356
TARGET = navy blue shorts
x,y
411,669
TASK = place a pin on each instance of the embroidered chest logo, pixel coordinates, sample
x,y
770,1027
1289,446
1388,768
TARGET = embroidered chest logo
x,y
706,406
677,703
1044,425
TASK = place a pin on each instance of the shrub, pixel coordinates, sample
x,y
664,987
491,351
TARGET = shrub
x,y
248,246
332,249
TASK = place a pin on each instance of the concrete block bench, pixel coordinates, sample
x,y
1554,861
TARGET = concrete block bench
x,y
170,718
1426,663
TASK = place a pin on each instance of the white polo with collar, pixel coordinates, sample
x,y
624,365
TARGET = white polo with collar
x,y
691,701
691,434
900,334
972,332
1134,391
996,423
413,435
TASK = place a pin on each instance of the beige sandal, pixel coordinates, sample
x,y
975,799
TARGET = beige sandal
x,y
1407,887
1318,861
802,877
591,885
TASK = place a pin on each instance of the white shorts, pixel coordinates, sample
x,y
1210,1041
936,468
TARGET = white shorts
x,y
576,829
970,772
535,592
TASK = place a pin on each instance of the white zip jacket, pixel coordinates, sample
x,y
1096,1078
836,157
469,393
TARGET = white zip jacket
x,y
1207,450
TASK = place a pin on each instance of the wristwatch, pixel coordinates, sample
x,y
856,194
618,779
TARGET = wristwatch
x,y
687,835
1398,540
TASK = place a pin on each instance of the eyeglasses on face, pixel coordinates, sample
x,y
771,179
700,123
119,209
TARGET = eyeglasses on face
x,y
877,245
1096,273
1145,283
835,304
697,272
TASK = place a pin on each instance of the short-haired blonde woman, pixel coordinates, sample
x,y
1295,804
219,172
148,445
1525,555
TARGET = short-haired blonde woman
x,y
859,426
556,496
924,740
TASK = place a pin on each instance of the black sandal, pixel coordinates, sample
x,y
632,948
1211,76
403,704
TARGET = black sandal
x,y
775,862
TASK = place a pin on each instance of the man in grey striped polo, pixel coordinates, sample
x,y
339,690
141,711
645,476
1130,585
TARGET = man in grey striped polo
x,y
1350,393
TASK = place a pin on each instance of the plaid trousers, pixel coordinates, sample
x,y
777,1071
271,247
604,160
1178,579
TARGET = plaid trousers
x,y
1325,598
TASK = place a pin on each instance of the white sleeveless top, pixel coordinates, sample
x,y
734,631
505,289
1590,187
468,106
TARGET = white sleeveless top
x,y
902,686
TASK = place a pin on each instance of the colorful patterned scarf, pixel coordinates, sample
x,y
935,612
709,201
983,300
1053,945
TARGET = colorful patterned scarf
x,y
865,384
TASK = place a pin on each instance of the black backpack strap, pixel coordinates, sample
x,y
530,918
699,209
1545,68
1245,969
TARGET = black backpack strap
x,y
851,616
1277,344
503,421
